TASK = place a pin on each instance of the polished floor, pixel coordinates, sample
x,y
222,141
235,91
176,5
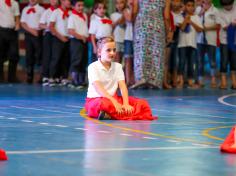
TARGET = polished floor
x,y
46,132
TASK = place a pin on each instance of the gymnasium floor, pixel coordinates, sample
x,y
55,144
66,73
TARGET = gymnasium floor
x,y
46,132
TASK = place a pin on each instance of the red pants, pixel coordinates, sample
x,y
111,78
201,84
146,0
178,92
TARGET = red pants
x,y
142,110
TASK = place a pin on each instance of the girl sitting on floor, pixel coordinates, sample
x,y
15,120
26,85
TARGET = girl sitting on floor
x,y
105,77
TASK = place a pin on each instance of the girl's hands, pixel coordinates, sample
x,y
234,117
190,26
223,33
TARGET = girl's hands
x,y
128,109
118,107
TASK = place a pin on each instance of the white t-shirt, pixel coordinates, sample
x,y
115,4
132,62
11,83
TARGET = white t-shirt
x,y
108,78
32,19
119,31
224,18
99,29
45,18
78,24
8,14
210,20
190,38
60,23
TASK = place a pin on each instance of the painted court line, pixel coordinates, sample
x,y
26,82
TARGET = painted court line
x,y
221,100
42,123
84,129
125,134
145,137
27,121
110,150
61,126
103,131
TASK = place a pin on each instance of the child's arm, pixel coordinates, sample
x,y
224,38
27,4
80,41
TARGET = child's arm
x,y
127,15
77,36
196,27
185,23
102,91
57,34
211,28
17,25
135,9
32,31
125,96
93,40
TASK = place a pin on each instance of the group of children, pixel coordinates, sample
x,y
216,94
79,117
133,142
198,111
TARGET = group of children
x,y
197,29
57,38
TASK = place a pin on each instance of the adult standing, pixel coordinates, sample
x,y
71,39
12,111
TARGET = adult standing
x,y
149,42
9,25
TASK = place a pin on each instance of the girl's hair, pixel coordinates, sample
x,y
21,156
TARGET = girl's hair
x,y
187,1
226,2
102,41
96,4
73,2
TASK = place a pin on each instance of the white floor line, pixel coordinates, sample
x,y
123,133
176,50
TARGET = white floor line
x,y
27,121
43,123
187,113
74,106
83,129
145,137
11,118
110,149
103,131
125,134
61,126
41,109
221,100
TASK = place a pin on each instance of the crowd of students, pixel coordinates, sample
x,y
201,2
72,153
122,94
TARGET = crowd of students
x,y
63,40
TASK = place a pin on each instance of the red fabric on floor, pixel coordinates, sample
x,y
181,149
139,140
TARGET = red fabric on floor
x,y
142,110
229,141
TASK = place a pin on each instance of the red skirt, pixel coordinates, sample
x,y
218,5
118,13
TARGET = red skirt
x,y
142,110
227,146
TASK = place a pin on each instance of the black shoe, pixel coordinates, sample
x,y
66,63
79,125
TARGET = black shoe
x,y
104,116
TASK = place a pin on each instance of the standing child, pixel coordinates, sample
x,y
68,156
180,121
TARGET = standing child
x,y
208,42
60,45
100,25
9,49
105,77
227,20
190,24
78,30
128,44
119,29
30,18
47,41
172,41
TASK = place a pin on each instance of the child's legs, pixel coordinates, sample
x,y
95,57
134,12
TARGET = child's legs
x,y
57,52
128,55
47,54
181,67
93,106
30,56
76,55
64,63
211,52
224,55
119,52
191,59
200,60
90,52
232,61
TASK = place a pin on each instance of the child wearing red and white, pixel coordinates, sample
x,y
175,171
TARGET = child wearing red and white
x,y
30,18
47,41
105,78
60,62
100,26
78,30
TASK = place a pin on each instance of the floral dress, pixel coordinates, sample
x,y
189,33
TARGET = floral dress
x,y
149,42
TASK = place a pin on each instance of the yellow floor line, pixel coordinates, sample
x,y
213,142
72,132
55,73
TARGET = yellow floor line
x,y
84,115
207,131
